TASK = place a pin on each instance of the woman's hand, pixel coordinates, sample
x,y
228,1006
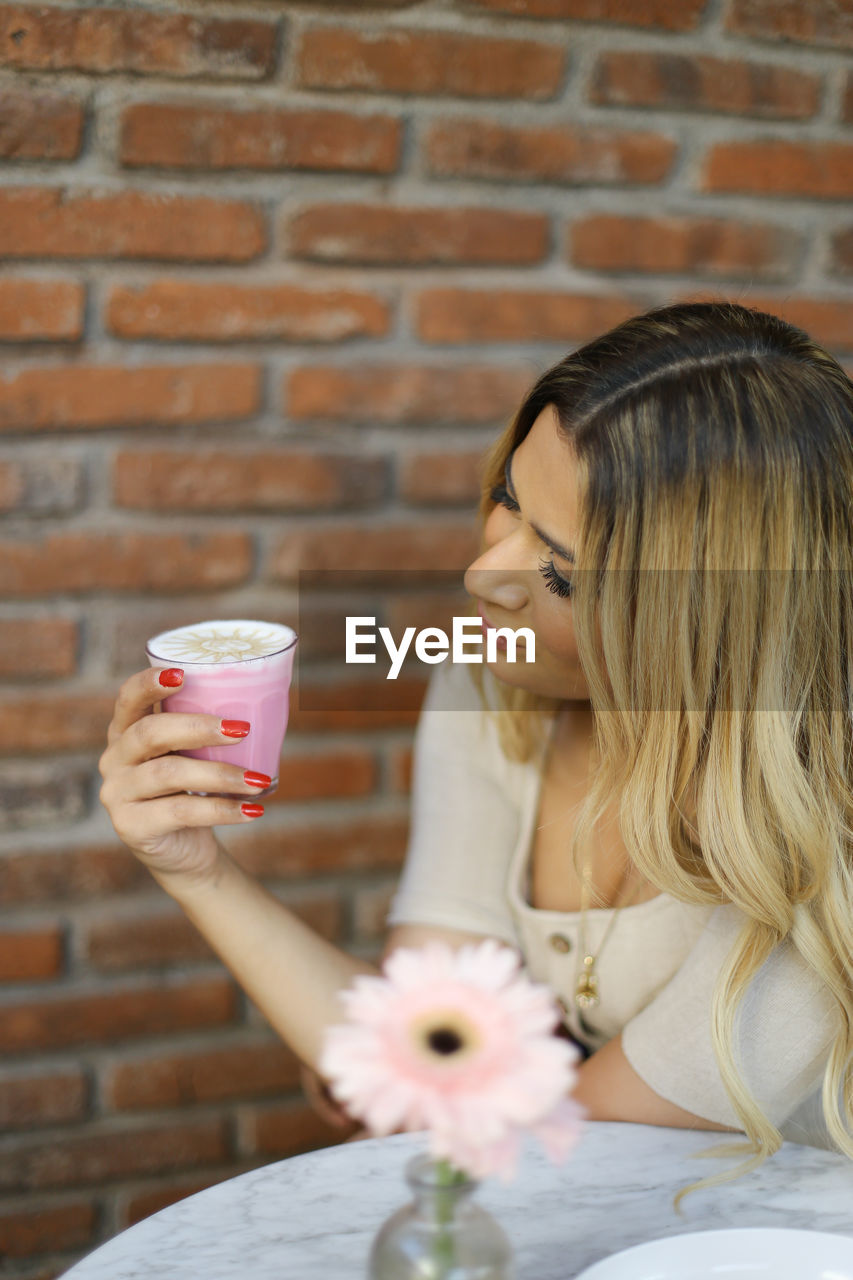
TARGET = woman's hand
x,y
320,1098
145,783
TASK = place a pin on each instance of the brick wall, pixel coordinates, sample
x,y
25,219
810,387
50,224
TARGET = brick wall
x,y
271,276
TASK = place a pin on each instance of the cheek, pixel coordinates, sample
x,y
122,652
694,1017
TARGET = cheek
x,y
556,629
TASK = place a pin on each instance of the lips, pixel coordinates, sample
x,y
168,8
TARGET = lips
x,y
489,626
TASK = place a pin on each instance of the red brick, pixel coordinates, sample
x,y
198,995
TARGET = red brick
x,y
421,609
361,844
690,82
60,875
842,252
109,1017
815,170
40,310
280,481
320,625
46,222
429,62
360,552
692,246
325,775
287,1131
181,310
410,395
463,315
97,1157
70,398
847,105
166,941
211,1075
37,794
577,155
402,758
820,22
359,4
153,942
433,479
105,41
671,15
829,321
31,955
176,136
143,1204
384,236
11,485
25,1233
39,124
32,1100
32,647
359,705
41,486
73,562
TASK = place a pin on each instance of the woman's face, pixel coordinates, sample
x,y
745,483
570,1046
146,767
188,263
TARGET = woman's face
x,y
523,578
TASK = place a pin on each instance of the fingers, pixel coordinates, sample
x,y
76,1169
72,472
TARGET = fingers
x,y
140,824
152,736
172,775
328,1108
138,696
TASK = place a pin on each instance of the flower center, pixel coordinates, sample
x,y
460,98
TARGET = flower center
x,y
445,1036
444,1040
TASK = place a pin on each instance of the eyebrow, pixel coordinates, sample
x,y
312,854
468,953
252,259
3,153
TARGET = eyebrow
x,y
549,542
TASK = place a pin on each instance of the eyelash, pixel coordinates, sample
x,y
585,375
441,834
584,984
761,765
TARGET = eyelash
x,y
556,582
500,496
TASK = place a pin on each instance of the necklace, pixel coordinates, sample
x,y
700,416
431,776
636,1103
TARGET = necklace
x,y
586,990
586,987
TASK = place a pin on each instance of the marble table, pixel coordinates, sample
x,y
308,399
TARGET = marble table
x,y
315,1215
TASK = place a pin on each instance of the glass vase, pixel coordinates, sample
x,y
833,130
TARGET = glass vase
x,y
442,1234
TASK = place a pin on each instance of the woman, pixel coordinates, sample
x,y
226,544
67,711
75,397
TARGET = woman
x,y
657,811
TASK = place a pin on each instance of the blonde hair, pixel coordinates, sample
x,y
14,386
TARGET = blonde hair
x,y
714,447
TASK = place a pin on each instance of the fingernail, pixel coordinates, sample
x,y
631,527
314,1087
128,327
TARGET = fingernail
x,y
234,728
172,678
256,779
251,810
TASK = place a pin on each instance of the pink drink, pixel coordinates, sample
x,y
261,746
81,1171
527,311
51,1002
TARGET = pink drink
x,y
236,669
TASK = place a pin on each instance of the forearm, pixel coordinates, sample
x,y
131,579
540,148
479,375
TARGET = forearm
x,y
290,972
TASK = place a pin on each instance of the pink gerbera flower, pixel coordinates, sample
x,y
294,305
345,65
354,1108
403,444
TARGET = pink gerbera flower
x,y
461,1044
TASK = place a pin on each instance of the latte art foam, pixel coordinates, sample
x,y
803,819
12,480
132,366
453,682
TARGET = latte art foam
x,y
231,640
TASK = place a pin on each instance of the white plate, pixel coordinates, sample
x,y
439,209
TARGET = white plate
x,y
750,1253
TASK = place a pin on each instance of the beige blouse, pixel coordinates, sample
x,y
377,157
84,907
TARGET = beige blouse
x,y
473,816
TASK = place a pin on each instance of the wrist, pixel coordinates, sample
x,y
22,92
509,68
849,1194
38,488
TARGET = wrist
x,y
185,885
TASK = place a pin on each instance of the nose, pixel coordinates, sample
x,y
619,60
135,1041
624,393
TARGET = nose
x,y
498,575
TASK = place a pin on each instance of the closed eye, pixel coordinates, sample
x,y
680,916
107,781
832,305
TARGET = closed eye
x,y
500,495
556,582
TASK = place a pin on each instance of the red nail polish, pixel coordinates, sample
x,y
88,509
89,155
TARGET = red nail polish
x,y
172,678
251,810
235,728
256,779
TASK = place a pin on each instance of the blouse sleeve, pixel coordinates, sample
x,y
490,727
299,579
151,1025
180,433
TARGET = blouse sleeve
x,y
464,817
782,1033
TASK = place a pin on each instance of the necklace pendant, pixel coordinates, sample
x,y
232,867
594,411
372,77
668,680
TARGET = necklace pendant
x,y
586,992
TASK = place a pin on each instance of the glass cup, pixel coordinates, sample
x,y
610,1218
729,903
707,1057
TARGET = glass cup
x,y
237,669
